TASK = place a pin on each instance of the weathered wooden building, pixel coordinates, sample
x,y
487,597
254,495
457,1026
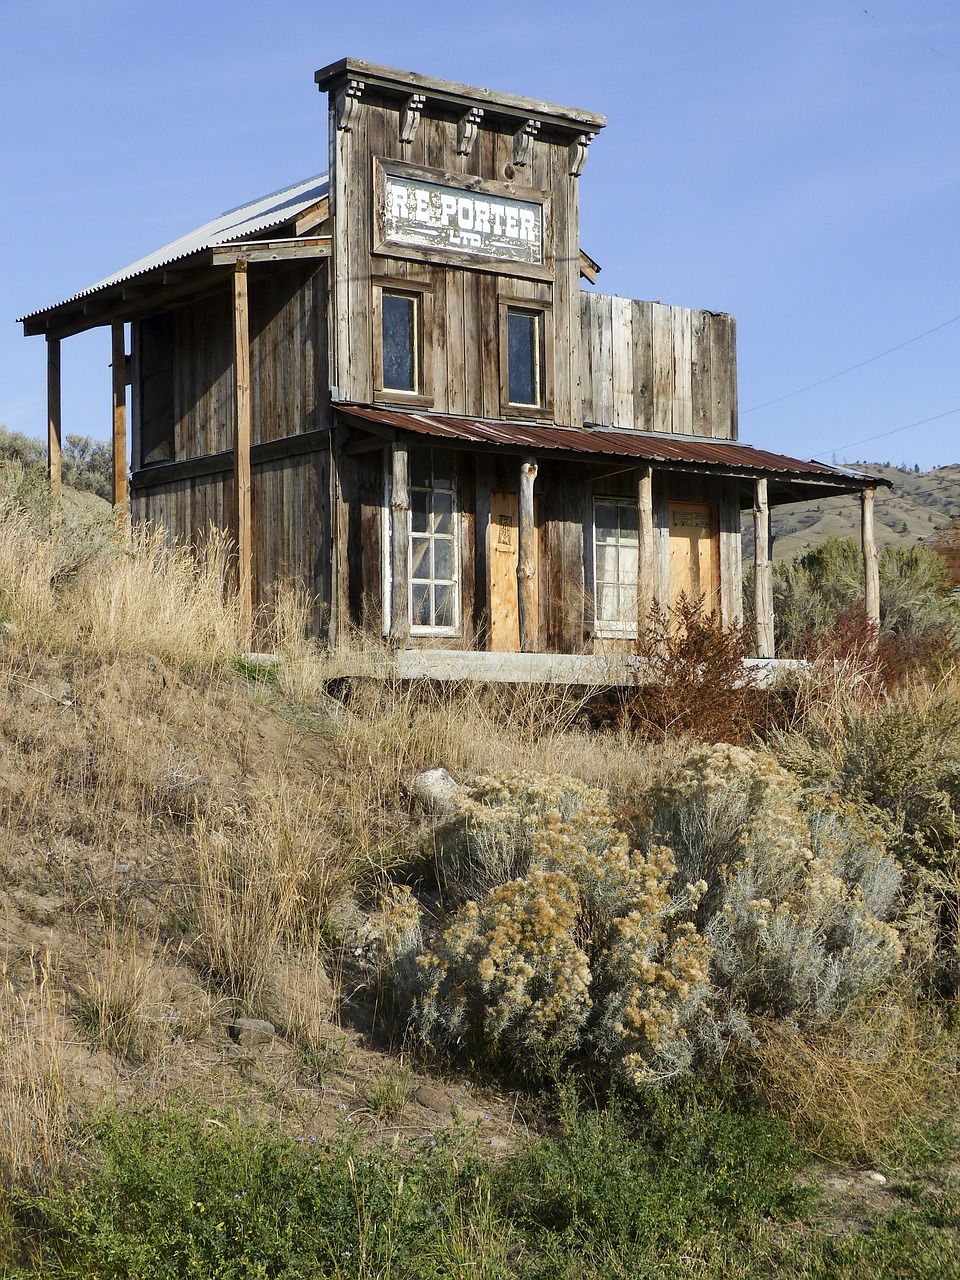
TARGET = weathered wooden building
x,y
388,384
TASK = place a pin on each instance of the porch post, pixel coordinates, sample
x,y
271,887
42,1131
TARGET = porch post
x,y
119,437
400,544
242,436
54,452
526,563
646,587
871,558
762,570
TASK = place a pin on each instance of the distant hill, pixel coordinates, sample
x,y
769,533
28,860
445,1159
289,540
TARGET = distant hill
x,y
920,503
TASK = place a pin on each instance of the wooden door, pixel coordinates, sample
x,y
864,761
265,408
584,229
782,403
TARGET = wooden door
x,y
504,556
695,553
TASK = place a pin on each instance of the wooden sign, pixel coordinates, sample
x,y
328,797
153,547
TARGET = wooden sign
x,y
432,215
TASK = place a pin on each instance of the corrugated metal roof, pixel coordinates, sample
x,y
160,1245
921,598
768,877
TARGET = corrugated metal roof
x,y
236,224
647,446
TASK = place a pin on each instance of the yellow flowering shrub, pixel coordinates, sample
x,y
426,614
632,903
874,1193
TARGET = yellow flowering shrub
x,y
584,948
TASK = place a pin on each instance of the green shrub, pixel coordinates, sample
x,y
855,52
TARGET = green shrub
x,y
814,590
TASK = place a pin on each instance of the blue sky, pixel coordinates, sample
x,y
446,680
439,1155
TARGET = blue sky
x,y
794,162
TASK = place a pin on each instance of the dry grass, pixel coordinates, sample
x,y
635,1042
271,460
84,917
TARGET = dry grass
x,y
867,1087
34,1088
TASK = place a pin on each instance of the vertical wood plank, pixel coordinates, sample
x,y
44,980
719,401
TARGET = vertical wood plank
x,y
400,544
642,325
242,437
763,570
646,560
700,375
622,362
54,424
871,557
662,344
682,392
119,437
527,564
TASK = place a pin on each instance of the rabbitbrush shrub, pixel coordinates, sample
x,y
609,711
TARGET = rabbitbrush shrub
x,y
739,904
573,943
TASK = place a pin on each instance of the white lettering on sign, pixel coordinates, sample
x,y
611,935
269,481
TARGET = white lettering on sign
x,y
431,215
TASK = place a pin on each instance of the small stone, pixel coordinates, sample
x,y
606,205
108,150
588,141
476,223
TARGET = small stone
x,y
878,1178
249,1033
433,1099
434,789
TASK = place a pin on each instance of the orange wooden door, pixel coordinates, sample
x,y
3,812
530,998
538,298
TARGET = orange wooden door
x,y
504,556
695,554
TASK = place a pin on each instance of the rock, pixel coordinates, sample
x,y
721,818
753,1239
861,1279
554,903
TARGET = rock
x,y
433,1099
434,789
878,1178
249,1033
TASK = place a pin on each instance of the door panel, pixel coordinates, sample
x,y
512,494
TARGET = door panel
x,y
695,553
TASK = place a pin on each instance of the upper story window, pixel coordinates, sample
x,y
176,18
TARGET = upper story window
x,y
402,365
524,357
526,340
400,330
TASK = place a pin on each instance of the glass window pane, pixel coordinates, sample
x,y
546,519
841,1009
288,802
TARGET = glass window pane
x,y
420,558
443,596
443,559
627,518
607,602
419,511
606,562
523,357
628,562
421,604
442,468
399,342
442,512
419,462
606,521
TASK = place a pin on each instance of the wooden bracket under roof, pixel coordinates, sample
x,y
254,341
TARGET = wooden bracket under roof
x,y
468,126
348,100
523,141
410,117
578,153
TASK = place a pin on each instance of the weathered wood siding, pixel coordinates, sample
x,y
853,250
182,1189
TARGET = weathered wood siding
x,y
291,523
463,346
651,367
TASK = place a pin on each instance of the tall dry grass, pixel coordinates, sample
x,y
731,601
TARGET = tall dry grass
x,y
64,590
35,1092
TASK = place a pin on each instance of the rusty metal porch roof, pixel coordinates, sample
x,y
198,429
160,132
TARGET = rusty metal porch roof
x,y
725,456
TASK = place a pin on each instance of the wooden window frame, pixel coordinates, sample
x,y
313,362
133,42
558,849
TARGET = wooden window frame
x,y
422,294
544,311
605,628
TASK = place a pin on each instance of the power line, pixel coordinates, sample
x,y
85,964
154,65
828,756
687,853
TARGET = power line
x,y
810,385
896,430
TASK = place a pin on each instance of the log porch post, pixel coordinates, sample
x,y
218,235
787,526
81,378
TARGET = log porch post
x,y
399,544
526,562
871,558
763,570
119,437
242,439
54,446
646,587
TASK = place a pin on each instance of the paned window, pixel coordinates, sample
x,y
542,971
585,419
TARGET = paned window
x,y
616,547
401,341
434,568
524,356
